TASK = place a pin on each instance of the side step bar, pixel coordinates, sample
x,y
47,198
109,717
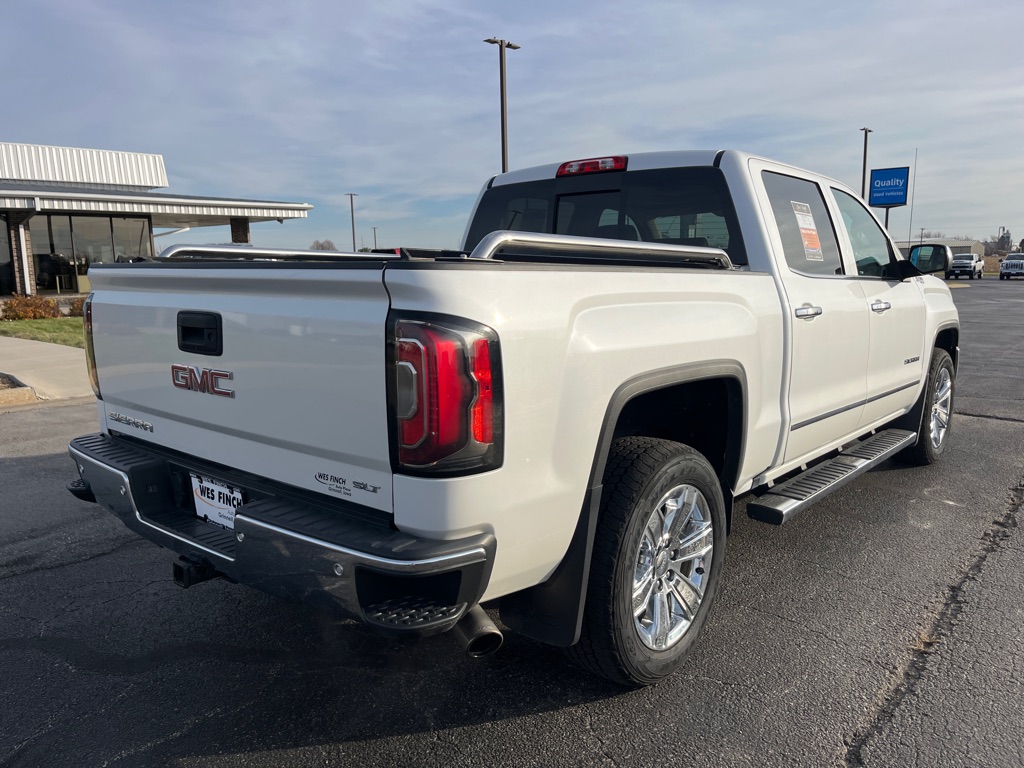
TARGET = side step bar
x,y
786,501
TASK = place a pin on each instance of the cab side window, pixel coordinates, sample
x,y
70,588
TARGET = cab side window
x,y
871,248
808,237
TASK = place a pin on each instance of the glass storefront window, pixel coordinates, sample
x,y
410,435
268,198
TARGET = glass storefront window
x,y
6,262
93,240
53,260
132,239
63,247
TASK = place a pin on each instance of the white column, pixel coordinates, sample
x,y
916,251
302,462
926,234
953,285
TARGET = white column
x,y
23,248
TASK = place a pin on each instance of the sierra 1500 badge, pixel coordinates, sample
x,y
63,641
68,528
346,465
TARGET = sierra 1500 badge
x,y
201,379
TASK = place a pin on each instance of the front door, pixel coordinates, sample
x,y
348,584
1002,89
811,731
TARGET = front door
x,y
897,316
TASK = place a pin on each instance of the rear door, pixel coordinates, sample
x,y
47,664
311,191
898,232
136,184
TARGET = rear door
x,y
828,317
284,376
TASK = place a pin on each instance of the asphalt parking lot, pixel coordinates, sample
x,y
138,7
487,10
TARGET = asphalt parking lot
x,y
882,628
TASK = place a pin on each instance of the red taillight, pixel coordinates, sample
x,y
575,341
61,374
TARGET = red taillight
x,y
592,165
482,412
446,395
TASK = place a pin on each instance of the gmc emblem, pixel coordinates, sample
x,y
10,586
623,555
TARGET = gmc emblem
x,y
201,380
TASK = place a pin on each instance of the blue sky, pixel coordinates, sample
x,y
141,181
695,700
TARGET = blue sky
x,y
398,101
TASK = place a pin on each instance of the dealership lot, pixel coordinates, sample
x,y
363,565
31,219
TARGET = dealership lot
x,y
883,627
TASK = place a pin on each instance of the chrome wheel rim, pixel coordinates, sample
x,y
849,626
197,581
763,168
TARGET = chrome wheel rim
x,y
673,565
942,400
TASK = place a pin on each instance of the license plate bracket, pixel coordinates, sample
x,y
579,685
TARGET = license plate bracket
x,y
215,500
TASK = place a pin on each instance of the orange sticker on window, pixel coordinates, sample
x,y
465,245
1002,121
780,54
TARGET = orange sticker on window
x,y
808,231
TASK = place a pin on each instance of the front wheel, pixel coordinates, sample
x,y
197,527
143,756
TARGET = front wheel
x,y
658,556
936,411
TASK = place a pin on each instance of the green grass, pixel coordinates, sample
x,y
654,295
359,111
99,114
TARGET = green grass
x,y
68,331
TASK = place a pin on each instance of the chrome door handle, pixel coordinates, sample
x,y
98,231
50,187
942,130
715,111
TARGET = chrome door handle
x,y
880,306
808,312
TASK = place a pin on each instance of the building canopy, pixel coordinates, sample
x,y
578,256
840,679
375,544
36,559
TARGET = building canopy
x,y
70,180
64,208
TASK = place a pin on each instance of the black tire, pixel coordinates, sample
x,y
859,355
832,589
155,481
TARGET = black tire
x,y
641,475
932,439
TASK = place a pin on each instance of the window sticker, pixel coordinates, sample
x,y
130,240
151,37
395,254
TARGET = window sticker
x,y
808,232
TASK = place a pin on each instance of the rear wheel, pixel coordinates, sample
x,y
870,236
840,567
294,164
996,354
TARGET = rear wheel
x,y
936,411
658,556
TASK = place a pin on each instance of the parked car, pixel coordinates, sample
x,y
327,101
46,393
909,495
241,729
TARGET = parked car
x,y
970,264
1012,266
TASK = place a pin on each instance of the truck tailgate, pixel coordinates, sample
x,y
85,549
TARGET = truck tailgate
x,y
297,393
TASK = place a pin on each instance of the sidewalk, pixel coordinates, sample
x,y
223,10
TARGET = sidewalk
x,y
54,371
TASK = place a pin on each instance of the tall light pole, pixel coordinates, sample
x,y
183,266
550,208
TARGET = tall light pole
x,y
864,167
352,209
374,238
502,45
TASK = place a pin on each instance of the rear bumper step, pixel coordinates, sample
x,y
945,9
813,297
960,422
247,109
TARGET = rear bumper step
x,y
785,501
295,549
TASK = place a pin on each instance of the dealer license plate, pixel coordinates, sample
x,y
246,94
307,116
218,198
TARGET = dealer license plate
x,y
216,501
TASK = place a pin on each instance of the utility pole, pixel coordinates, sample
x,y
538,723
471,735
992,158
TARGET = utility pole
x,y
502,45
352,209
864,167
374,238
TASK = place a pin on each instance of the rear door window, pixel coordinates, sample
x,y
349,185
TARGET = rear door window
x,y
805,227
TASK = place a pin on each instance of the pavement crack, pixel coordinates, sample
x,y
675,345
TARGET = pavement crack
x,y
907,678
603,746
127,544
990,417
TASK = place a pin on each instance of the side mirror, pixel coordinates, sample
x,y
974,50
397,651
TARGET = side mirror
x,y
931,258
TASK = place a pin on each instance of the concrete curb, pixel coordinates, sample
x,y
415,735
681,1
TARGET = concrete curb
x,y
19,394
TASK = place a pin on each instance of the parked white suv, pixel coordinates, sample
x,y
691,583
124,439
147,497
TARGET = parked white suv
x,y
1012,266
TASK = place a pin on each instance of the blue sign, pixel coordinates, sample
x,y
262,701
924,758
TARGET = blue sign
x,y
888,187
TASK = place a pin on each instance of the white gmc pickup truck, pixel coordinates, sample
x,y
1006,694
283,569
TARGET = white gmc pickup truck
x,y
556,418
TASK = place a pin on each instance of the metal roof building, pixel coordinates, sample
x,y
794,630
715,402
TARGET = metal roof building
x,y
956,245
63,208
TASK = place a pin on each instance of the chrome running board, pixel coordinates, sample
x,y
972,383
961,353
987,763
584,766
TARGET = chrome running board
x,y
785,501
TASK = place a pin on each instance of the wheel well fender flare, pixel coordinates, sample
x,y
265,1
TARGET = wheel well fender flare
x,y
552,612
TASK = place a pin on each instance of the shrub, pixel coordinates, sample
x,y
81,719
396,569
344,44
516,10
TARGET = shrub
x,y
75,308
30,308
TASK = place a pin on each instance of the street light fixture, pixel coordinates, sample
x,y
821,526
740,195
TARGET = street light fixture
x,y
864,167
502,45
352,209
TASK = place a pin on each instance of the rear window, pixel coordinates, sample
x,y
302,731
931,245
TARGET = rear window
x,y
674,206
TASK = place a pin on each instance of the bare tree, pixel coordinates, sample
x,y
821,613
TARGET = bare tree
x,y
323,245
